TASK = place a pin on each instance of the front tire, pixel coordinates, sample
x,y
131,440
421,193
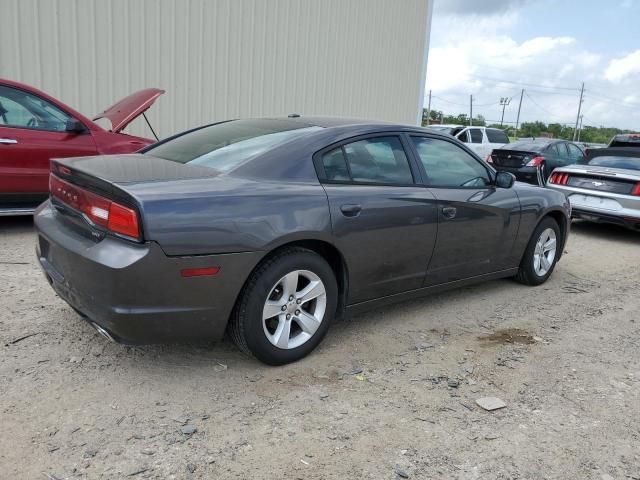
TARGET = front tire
x,y
541,254
286,307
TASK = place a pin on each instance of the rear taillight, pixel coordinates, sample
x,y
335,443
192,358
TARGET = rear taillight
x,y
559,178
535,162
636,190
488,159
98,210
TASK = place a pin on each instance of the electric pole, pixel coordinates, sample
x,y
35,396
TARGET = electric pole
x,y
519,107
470,110
580,127
575,131
504,101
429,109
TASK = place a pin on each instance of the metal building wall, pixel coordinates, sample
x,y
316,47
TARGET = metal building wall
x,y
220,59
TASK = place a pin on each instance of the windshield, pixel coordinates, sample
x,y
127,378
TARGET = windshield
x,y
227,145
612,161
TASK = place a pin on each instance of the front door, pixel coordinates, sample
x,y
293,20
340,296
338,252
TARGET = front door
x,y
31,132
383,221
477,222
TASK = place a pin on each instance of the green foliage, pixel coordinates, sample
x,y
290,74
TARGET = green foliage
x,y
532,129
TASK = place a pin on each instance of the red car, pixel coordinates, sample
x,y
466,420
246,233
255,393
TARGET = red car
x,y
35,127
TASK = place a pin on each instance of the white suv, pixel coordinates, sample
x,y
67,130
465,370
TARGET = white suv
x,y
481,140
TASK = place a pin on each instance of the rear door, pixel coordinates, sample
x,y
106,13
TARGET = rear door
x,y
383,221
32,131
477,222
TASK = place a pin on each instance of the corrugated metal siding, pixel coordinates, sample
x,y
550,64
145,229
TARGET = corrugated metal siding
x,y
220,59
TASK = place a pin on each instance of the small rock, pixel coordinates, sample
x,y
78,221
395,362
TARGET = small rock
x,y
90,452
453,383
221,367
148,451
75,359
401,473
490,403
355,371
324,395
191,467
491,436
182,420
188,429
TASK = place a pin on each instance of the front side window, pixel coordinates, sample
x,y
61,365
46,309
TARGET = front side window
x,y
373,160
225,146
23,110
476,135
448,165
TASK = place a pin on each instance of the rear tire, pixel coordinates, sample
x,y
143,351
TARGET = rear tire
x,y
541,254
286,307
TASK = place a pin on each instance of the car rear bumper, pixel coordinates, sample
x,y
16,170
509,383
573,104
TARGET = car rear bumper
x,y
596,207
522,174
135,292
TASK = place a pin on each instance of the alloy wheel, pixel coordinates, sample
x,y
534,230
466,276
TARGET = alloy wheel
x,y
545,252
294,309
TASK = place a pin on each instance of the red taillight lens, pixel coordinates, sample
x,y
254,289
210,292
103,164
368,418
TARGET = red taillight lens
x,y
636,190
200,272
559,178
99,210
535,161
123,220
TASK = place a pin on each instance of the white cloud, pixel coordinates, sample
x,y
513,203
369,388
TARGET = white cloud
x,y
470,55
622,68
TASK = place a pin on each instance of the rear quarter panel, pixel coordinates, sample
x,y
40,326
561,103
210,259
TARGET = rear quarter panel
x,y
229,214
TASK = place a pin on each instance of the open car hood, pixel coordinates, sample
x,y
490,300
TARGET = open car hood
x,y
126,110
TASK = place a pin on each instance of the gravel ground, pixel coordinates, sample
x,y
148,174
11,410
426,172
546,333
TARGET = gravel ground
x,y
389,394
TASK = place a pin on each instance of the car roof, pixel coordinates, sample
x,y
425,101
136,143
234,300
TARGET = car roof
x,y
327,122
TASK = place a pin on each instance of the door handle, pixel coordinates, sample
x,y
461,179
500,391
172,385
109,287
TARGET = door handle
x,y
449,212
8,141
351,210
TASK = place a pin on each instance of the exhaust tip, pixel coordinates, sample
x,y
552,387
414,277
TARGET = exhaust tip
x,y
103,332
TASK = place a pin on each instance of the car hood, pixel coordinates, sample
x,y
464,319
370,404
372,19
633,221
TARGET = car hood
x,y
126,110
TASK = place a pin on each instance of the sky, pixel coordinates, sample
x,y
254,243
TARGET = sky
x,y
495,48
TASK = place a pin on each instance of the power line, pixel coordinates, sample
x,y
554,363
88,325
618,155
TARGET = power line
x,y
537,85
540,106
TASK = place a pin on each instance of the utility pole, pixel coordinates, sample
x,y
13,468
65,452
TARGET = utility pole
x,y
580,127
470,110
575,131
504,101
519,107
429,109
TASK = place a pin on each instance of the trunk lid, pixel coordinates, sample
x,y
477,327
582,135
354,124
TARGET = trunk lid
x,y
128,109
511,158
611,180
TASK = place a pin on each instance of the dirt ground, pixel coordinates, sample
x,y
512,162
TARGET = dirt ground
x,y
389,394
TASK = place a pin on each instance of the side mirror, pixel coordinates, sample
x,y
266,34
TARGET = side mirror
x,y
505,179
75,126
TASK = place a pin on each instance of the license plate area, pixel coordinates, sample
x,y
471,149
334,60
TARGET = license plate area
x,y
592,201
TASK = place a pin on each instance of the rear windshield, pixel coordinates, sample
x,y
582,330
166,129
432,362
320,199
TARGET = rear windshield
x,y
225,146
527,146
496,136
632,140
630,163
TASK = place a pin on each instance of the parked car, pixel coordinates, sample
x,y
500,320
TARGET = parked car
x,y
35,127
605,187
481,140
533,160
625,140
273,227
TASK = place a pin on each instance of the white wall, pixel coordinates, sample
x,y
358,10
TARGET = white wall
x,y
220,59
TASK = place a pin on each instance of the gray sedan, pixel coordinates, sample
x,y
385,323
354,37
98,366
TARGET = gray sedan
x,y
271,228
605,187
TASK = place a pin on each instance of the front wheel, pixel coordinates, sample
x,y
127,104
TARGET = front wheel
x,y
541,255
286,307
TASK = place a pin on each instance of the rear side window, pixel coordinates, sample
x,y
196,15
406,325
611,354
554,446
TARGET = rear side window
x,y
476,135
225,146
496,136
373,160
